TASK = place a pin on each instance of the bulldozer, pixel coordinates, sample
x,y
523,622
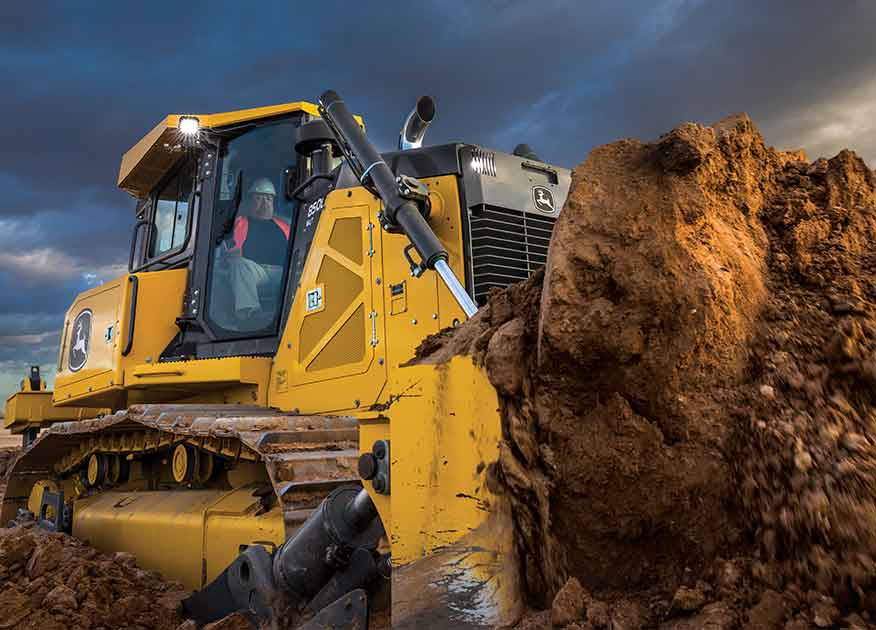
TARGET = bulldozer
x,y
244,410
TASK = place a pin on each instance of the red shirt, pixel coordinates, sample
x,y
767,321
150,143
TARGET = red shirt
x,y
261,251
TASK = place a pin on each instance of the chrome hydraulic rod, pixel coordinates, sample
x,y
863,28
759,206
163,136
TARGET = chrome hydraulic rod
x,y
456,288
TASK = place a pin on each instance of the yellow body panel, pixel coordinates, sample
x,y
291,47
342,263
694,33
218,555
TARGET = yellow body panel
x,y
360,377
428,306
326,360
190,534
105,303
229,380
101,380
26,410
445,433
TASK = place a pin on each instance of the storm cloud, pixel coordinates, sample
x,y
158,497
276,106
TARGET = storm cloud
x,y
83,83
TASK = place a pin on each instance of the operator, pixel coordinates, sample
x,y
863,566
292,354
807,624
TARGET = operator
x,y
257,254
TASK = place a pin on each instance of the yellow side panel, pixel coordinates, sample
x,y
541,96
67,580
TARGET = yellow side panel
x,y
187,535
159,303
225,380
447,223
445,433
330,357
335,358
423,306
101,379
100,366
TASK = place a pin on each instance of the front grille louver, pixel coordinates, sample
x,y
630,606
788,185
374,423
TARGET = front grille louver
x,y
507,246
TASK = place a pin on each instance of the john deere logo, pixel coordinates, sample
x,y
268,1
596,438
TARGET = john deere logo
x,y
543,199
80,341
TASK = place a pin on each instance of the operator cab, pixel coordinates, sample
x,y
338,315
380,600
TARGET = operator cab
x,y
238,208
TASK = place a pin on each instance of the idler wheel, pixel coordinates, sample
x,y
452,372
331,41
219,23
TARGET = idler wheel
x,y
184,463
95,475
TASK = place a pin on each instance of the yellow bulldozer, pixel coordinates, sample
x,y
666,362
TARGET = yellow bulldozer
x,y
243,410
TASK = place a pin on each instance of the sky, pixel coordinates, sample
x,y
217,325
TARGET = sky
x,y
82,82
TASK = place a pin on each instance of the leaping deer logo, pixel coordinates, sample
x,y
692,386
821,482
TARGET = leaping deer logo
x,y
543,199
79,342
79,346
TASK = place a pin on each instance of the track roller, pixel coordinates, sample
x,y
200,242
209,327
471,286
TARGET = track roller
x,y
185,463
117,469
95,474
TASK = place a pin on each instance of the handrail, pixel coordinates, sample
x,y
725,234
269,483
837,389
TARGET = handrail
x,y
137,226
132,316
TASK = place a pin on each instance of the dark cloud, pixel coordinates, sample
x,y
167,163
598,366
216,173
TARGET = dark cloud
x,y
83,82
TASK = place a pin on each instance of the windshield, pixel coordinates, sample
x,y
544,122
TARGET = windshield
x,y
253,225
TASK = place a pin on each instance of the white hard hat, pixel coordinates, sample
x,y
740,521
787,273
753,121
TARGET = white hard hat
x,y
263,185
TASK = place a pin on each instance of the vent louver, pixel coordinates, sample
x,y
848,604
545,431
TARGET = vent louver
x,y
483,162
507,246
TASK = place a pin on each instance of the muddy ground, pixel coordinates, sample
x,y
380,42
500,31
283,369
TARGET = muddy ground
x,y
690,432
51,581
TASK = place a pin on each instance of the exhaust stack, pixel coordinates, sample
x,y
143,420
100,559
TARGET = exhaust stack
x,y
414,129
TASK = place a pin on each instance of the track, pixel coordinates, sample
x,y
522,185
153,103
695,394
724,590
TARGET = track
x,y
305,456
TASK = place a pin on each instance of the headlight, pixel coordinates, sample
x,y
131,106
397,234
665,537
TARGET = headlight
x,y
189,125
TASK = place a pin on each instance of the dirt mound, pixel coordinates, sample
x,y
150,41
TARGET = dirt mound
x,y
50,580
697,378
811,474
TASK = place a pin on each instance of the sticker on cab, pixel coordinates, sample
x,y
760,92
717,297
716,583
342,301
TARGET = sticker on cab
x,y
314,299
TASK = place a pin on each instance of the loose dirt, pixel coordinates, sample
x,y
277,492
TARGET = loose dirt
x,y
50,580
53,581
688,388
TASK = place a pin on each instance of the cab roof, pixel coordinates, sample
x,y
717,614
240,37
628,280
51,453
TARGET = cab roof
x,y
148,161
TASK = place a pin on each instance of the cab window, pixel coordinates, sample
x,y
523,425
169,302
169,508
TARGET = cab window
x,y
171,217
253,225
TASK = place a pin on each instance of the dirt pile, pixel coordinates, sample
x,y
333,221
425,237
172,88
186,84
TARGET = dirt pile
x,y
50,580
811,473
697,379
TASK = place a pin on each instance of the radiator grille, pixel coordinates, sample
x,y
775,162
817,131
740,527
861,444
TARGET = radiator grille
x,y
507,246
